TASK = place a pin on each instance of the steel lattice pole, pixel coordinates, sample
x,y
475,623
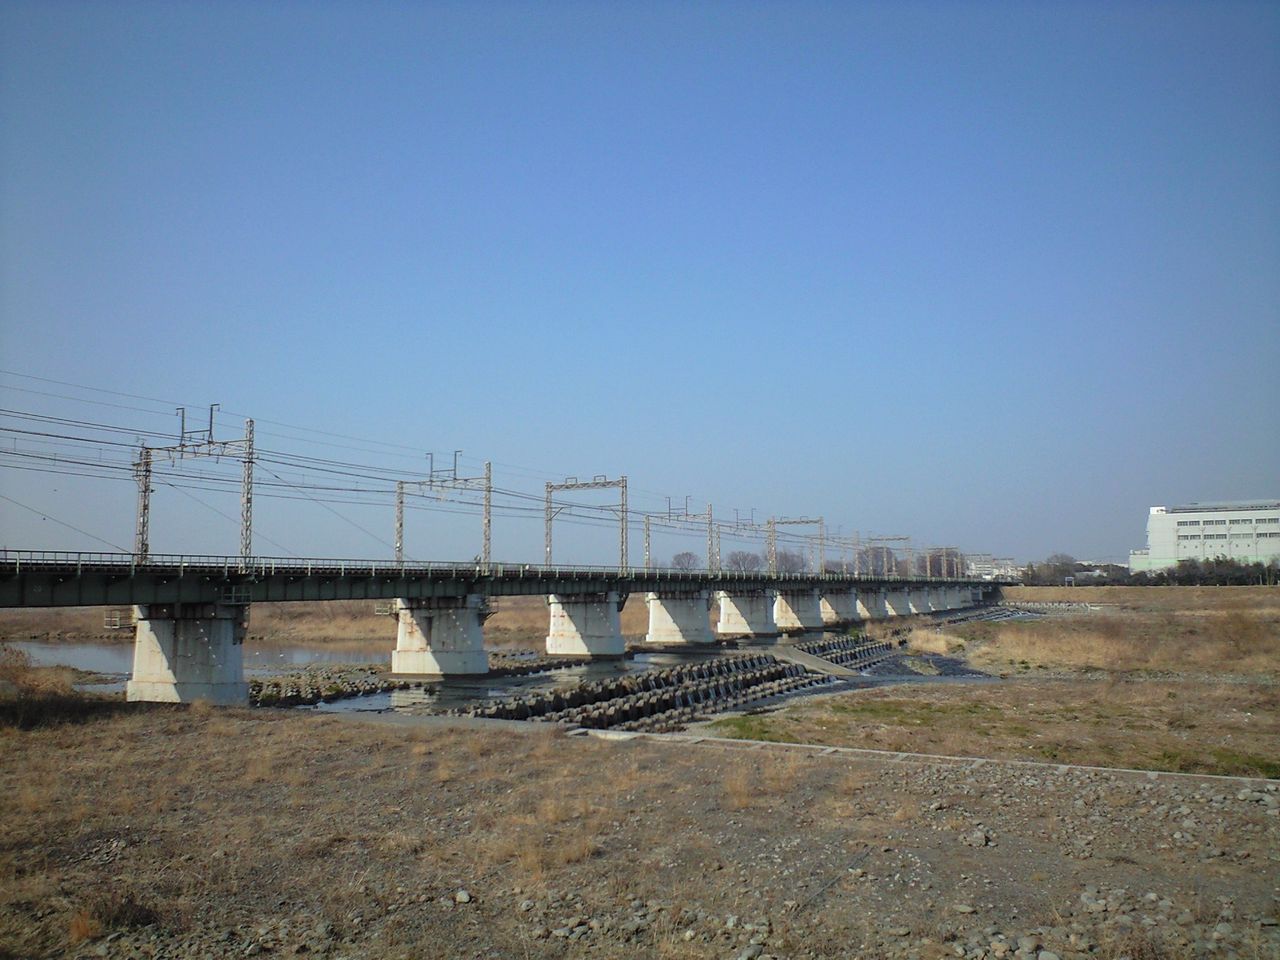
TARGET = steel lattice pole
x,y
142,534
246,497
399,521
488,514
546,546
622,535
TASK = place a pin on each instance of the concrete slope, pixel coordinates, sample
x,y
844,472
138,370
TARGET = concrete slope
x,y
807,660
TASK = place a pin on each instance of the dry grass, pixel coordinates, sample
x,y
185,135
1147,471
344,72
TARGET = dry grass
x,y
933,641
1227,641
1156,599
230,819
1192,727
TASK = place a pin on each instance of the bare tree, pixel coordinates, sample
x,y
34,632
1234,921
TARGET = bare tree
x,y
685,561
743,561
791,561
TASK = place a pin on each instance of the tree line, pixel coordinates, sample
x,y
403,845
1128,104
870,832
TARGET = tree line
x,y
1057,568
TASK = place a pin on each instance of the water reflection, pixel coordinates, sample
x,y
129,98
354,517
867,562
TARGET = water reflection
x,y
115,661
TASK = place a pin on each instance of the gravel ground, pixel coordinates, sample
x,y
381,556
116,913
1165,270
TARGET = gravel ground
x,y
190,833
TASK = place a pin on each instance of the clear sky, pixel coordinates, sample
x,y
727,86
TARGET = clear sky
x,y
993,275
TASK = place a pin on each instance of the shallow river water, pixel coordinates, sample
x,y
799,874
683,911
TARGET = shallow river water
x,y
115,661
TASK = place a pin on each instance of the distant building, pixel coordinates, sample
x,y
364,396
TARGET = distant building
x,y
1247,530
980,566
983,566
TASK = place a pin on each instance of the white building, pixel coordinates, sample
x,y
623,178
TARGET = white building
x,y
1248,531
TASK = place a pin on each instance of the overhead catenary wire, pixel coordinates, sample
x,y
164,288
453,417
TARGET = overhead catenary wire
x,y
328,481
70,526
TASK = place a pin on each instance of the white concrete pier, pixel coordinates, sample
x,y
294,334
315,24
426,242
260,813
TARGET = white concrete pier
x,y
683,617
795,611
897,603
189,651
920,600
748,614
839,607
586,626
871,605
440,637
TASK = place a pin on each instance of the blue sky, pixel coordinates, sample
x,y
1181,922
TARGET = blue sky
x,y
993,275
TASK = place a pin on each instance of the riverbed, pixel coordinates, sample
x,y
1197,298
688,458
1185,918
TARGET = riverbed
x,y
113,662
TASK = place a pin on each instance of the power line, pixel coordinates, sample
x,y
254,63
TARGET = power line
x,y
227,516
44,516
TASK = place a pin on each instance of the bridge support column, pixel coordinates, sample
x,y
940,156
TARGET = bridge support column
x,y
956,598
586,626
440,637
682,617
795,611
897,603
871,604
189,651
919,601
746,614
839,608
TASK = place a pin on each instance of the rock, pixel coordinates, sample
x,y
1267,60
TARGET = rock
x,y
526,906
462,897
751,952
898,931
1048,955
962,908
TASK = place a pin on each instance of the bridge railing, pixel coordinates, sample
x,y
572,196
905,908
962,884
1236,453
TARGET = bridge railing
x,y
78,561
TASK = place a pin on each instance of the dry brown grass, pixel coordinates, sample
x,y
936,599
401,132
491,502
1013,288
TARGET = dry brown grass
x,y
1235,641
83,927
933,641
1195,727
213,845
1153,599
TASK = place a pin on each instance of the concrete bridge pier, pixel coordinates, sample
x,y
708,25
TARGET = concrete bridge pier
x,y
189,651
839,608
919,600
748,614
871,604
440,637
797,610
587,625
897,603
679,617
958,598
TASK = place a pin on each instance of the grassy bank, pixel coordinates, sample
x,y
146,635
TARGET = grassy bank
x,y
1147,725
1233,630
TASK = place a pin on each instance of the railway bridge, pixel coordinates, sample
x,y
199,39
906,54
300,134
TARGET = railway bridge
x,y
191,612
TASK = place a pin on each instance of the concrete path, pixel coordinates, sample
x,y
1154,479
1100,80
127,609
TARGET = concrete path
x,y
807,660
